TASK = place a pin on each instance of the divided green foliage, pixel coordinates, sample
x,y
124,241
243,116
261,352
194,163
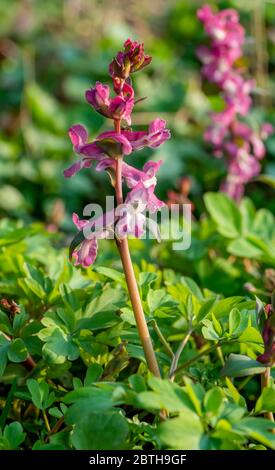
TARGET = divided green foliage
x,y
71,351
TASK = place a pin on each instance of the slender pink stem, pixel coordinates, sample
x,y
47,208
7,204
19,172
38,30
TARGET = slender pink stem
x,y
127,264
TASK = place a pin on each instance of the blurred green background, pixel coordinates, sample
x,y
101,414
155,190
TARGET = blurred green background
x,y
51,51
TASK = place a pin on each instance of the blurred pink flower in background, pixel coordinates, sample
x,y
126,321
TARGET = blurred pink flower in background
x,y
231,138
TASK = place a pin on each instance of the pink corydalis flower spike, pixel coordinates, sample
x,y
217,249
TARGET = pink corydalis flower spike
x,y
131,60
268,334
108,151
110,145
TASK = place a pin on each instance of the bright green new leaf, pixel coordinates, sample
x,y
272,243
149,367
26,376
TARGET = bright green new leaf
x,y
266,401
184,432
225,213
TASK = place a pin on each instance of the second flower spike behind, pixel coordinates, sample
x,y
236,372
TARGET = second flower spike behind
x,y
236,141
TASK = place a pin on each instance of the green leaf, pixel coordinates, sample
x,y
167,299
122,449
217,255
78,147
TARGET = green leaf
x,y
111,274
98,321
8,403
159,298
266,401
209,331
263,225
192,286
138,383
146,278
55,412
40,394
234,320
86,400
40,445
5,324
4,347
185,300
225,213
238,365
17,351
165,395
35,392
184,432
60,343
68,297
206,308
29,284
217,325
12,237
237,397
101,431
44,108
13,436
196,394
248,214
93,374
251,335
108,301
259,429
213,400
224,306
243,246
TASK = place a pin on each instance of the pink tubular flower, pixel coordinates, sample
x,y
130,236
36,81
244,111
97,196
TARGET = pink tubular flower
x,y
99,97
268,333
85,253
236,141
119,107
139,200
107,144
266,130
157,134
223,27
96,150
143,191
132,221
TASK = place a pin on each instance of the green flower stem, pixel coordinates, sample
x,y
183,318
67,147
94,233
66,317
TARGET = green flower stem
x,y
198,356
165,343
127,264
265,379
174,365
46,421
220,355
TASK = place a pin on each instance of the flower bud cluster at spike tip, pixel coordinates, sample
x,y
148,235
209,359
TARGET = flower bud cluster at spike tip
x,y
107,147
268,333
131,60
241,145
